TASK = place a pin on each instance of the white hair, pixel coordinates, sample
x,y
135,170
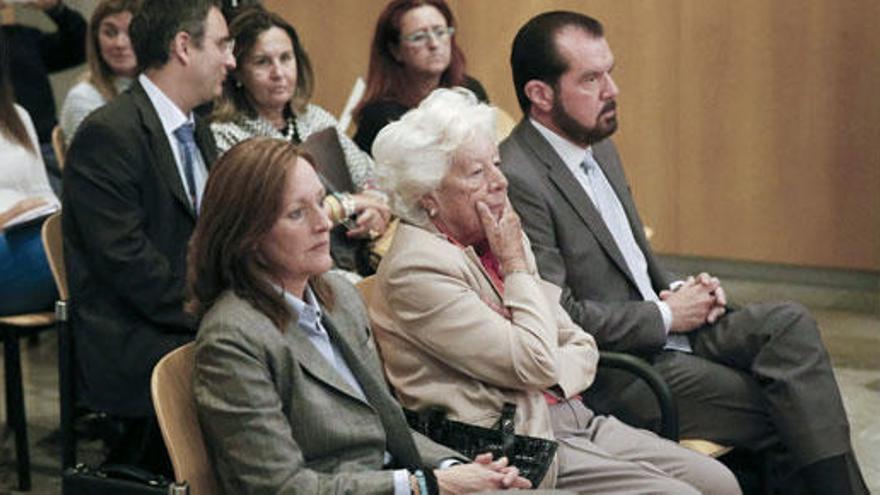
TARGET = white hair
x,y
413,154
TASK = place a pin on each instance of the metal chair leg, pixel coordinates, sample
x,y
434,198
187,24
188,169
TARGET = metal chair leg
x,y
15,408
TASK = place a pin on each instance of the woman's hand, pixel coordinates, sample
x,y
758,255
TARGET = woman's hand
x,y
481,475
504,236
372,216
20,207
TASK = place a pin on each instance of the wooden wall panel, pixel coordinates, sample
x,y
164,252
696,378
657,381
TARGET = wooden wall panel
x,y
748,129
779,119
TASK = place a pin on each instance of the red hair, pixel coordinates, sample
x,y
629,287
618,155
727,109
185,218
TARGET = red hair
x,y
386,77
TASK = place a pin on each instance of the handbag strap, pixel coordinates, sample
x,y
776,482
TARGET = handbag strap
x,y
507,426
506,421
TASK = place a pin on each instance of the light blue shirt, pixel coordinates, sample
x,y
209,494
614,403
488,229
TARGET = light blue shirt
x,y
309,321
579,160
172,117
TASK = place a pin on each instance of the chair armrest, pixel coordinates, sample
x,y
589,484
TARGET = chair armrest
x,y
641,369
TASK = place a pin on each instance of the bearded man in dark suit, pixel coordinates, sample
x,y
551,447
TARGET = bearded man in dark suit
x,y
133,181
747,378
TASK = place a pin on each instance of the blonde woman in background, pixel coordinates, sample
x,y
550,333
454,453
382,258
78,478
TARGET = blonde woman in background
x,y
111,60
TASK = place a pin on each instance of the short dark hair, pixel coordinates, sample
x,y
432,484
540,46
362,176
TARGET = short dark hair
x,y
248,24
534,54
158,22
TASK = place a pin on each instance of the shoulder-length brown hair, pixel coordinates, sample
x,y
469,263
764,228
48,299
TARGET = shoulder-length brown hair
x,y
248,24
100,74
11,124
386,77
243,199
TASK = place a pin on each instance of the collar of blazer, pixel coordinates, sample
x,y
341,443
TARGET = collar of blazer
x,y
162,155
571,190
400,443
469,252
314,363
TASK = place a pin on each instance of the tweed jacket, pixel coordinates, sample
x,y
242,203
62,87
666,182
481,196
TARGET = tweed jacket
x,y
278,418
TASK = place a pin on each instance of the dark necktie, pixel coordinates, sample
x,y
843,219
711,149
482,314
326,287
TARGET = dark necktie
x,y
184,135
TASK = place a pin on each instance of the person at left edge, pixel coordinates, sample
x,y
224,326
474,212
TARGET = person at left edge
x,y
136,169
35,54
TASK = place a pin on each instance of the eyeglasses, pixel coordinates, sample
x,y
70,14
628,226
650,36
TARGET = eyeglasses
x,y
422,36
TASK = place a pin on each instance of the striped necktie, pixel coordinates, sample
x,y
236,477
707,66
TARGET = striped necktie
x,y
186,139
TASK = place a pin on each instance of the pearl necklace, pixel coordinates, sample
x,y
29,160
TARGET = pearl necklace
x,y
289,131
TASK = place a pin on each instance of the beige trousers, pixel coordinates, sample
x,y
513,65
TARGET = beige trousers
x,y
600,454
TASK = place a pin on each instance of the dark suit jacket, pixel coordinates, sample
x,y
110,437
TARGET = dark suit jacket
x,y
278,418
126,222
575,250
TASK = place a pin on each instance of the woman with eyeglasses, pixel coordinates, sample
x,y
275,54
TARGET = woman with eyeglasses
x,y
413,53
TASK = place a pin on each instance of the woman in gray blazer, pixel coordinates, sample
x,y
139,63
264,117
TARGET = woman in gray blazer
x,y
287,382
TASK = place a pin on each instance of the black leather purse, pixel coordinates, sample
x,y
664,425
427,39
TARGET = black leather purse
x,y
531,455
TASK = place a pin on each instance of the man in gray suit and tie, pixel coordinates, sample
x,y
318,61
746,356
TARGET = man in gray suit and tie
x,y
750,377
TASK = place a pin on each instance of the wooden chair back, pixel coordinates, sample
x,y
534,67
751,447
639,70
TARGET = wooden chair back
x,y
173,400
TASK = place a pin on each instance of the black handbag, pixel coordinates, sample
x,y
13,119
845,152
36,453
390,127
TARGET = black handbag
x,y
531,455
112,480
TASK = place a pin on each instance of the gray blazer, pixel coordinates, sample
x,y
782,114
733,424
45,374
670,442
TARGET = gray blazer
x,y
277,418
575,250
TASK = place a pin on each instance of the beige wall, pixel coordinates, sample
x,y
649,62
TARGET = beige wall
x,y
749,128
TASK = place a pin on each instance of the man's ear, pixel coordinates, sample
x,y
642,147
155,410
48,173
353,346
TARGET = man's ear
x,y
540,94
181,46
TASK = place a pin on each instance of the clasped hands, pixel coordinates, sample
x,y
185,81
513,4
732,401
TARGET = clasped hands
x,y
697,301
481,475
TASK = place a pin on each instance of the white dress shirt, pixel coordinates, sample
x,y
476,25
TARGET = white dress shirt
x,y
573,157
172,117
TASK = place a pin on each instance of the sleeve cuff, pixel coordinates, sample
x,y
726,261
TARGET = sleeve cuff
x,y
666,314
448,462
401,482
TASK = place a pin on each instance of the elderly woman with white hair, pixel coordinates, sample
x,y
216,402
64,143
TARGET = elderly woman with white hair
x,y
465,323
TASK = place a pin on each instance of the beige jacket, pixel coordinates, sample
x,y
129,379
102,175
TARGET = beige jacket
x,y
445,339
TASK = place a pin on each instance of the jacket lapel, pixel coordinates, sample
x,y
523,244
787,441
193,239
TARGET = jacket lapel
x,y
163,155
312,361
399,438
571,190
205,142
